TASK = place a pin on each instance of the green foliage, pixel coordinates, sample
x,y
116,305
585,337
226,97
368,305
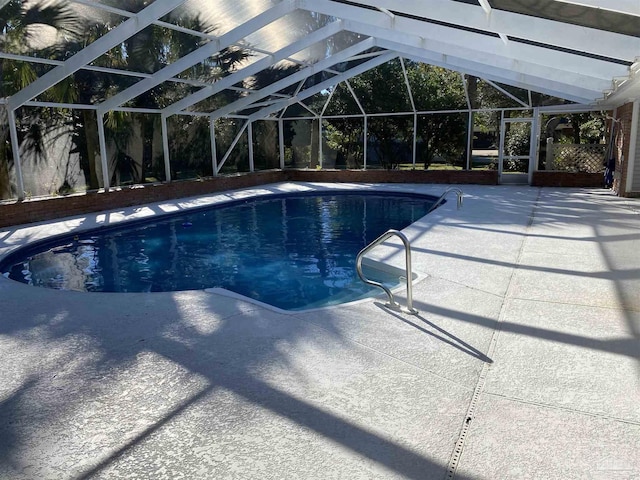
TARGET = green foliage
x,y
517,142
384,90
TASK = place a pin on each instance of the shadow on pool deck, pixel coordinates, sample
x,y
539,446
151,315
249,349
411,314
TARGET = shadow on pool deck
x,y
193,384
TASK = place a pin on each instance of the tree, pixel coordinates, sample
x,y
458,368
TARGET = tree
x,y
20,25
383,90
438,89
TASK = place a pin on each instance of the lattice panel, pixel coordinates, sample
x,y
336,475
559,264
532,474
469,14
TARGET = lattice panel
x,y
579,158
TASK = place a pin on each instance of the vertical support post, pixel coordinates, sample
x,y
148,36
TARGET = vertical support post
x,y
165,148
320,155
533,145
366,140
214,148
281,141
104,162
250,145
415,138
501,151
15,149
470,122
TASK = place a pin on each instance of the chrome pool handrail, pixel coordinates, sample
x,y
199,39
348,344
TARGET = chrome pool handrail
x,y
407,247
458,192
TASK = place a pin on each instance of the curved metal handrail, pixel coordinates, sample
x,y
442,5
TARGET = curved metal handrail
x,y
459,192
407,247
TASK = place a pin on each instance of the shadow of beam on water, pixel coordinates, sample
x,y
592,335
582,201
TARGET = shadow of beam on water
x,y
451,340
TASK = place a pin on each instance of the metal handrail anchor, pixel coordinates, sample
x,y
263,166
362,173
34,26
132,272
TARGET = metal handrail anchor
x,y
458,192
407,247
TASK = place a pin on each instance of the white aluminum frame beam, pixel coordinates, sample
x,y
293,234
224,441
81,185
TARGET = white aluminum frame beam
x,y
537,84
101,46
262,64
485,49
627,7
309,92
547,81
549,32
202,53
564,84
299,76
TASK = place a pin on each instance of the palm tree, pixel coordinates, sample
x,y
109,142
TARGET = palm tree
x,y
20,23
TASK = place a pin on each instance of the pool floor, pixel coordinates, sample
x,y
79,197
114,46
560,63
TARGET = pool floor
x,y
525,358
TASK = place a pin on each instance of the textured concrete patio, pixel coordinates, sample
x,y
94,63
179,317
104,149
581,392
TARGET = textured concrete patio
x,y
524,362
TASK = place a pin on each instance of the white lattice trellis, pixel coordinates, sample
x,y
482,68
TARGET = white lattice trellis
x,y
578,158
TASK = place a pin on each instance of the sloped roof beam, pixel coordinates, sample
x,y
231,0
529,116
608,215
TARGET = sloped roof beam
x,y
300,75
202,53
102,45
572,83
498,72
311,91
507,76
574,37
628,7
521,81
255,67
572,70
450,40
625,91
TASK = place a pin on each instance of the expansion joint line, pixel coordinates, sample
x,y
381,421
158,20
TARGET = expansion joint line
x,y
470,415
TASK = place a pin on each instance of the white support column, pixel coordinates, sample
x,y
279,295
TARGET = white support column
x,y
533,146
366,140
214,148
319,141
15,149
165,148
281,141
104,162
250,145
415,138
501,148
470,126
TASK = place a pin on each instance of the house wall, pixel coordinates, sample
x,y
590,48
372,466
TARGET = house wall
x,y
623,150
633,169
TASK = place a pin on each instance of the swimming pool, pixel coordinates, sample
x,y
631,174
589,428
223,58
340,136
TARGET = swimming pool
x,y
293,252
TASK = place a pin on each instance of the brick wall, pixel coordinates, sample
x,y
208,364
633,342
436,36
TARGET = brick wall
x,y
623,135
36,210
479,177
567,179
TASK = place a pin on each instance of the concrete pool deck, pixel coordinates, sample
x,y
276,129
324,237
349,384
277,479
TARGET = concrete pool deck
x,y
523,363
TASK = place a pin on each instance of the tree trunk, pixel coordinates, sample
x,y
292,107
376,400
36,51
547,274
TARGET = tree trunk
x,y
91,133
5,180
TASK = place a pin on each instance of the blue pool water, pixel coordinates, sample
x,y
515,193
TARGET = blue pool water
x,y
293,252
